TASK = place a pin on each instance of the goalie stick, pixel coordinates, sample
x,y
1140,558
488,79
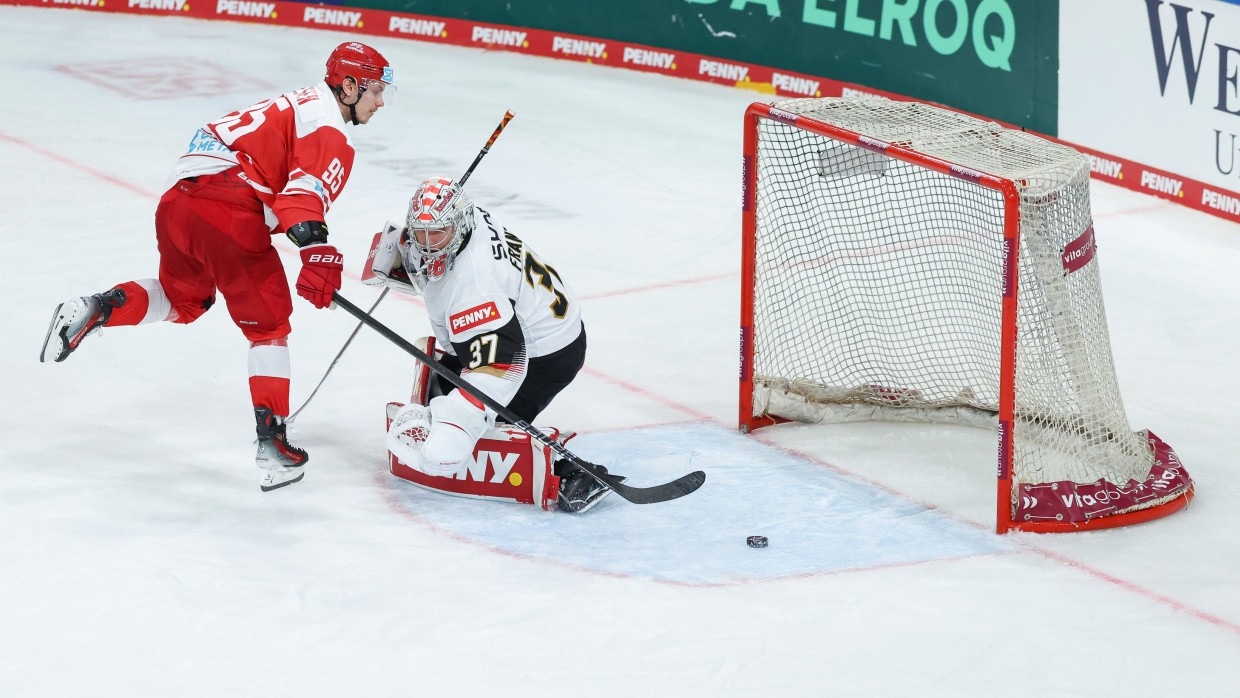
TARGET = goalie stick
x,y
508,115
679,487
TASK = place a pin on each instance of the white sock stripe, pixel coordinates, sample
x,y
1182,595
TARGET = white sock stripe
x,y
158,306
269,360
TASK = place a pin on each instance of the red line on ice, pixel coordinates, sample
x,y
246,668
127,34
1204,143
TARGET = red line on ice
x,y
78,166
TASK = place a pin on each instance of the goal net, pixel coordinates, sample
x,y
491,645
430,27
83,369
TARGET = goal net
x,y
905,262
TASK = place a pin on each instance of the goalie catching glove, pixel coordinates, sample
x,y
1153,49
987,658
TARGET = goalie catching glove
x,y
438,439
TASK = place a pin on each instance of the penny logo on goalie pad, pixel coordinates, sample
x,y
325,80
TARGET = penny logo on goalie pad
x,y
473,317
506,465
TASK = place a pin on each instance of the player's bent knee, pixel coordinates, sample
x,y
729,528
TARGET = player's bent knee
x,y
185,312
260,335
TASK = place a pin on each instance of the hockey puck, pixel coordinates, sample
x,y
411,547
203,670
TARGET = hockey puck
x,y
756,541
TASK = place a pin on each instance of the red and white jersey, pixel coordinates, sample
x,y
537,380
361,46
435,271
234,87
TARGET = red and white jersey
x,y
498,306
293,150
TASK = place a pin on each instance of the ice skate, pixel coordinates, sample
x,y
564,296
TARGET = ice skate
x,y
279,462
579,492
76,318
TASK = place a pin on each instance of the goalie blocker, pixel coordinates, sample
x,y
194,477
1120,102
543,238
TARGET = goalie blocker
x,y
506,465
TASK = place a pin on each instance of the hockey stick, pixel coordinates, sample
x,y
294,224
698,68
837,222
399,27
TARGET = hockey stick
x,y
638,495
508,115
460,183
339,354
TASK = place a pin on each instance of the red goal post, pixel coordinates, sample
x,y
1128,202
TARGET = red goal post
x,y
904,262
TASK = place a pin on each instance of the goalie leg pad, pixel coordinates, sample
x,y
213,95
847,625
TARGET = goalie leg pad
x,y
423,378
506,464
456,425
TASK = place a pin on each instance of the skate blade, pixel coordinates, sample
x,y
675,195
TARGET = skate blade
x,y
47,338
268,488
591,503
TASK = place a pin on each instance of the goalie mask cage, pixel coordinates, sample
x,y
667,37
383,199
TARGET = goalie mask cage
x,y
905,262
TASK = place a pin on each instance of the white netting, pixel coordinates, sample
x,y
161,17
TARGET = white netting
x,y
878,287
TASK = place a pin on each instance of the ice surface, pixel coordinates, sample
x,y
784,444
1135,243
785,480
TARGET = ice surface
x,y
817,520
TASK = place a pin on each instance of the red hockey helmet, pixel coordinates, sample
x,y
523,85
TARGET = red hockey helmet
x,y
358,61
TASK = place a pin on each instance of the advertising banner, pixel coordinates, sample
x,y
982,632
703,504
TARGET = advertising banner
x,y
994,58
483,35
1148,89
1156,82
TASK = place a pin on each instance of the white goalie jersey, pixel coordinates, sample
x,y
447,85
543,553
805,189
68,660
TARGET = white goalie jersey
x,y
497,306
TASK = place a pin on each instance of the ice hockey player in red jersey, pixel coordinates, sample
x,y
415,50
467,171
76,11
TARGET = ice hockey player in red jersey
x,y
506,322
273,168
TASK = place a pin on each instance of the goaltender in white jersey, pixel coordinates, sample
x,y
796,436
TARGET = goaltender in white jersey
x,y
505,321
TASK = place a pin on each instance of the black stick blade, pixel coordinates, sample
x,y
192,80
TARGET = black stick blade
x,y
675,489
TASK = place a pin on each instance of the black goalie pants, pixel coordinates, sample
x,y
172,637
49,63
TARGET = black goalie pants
x,y
547,376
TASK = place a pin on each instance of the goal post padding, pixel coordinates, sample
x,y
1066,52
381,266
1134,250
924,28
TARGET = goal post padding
x,y
906,262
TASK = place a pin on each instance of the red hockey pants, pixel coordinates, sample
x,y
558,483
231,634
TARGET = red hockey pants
x,y
212,235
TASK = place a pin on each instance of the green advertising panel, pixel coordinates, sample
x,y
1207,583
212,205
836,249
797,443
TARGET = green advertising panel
x,y
995,58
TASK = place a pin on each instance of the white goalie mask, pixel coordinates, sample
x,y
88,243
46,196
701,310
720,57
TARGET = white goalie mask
x,y
440,219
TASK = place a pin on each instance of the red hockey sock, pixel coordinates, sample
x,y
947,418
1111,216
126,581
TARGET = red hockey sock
x,y
269,375
271,393
134,309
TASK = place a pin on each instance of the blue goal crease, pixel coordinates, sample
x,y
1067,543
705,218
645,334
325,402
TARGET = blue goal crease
x,y
816,521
